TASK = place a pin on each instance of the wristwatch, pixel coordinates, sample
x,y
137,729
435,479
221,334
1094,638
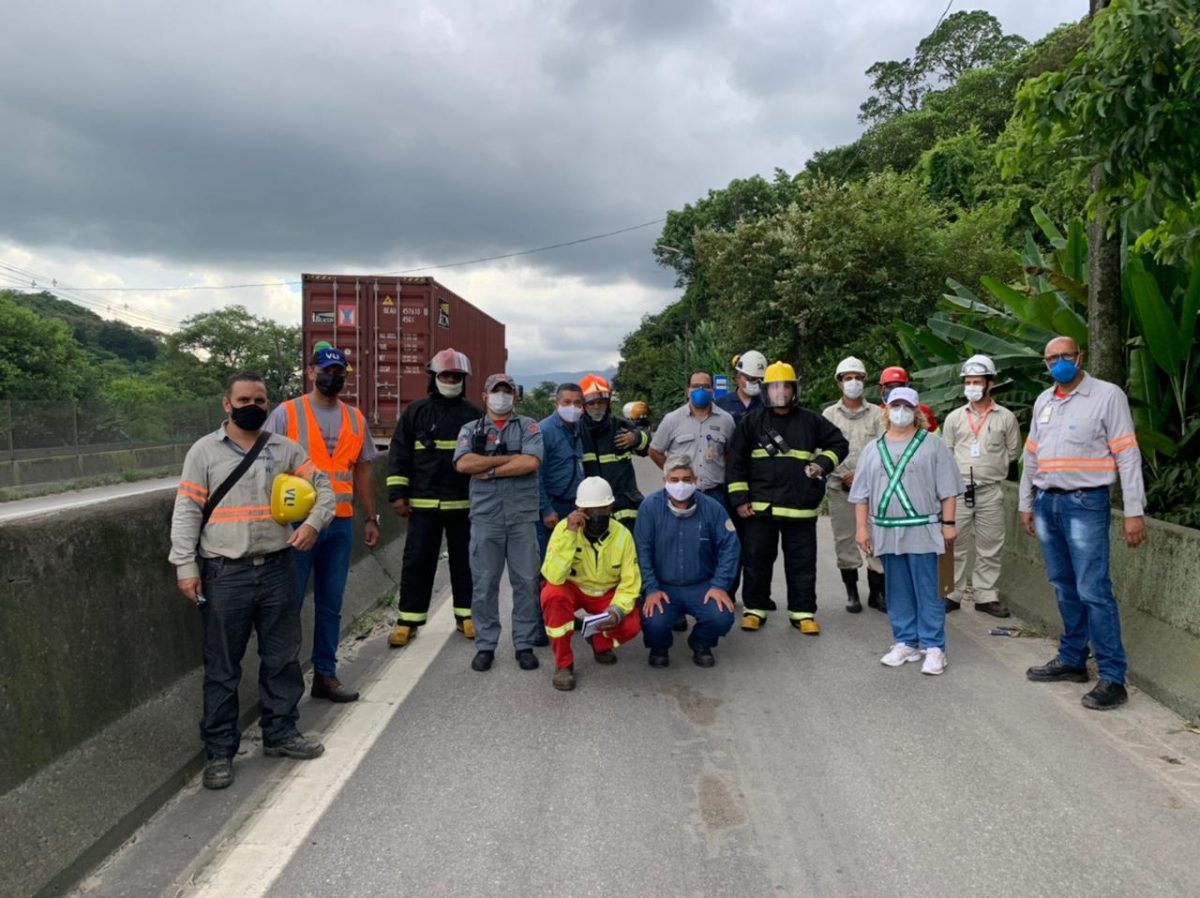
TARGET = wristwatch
x,y
373,519
491,472
947,523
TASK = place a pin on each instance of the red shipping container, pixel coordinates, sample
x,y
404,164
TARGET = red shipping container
x,y
389,327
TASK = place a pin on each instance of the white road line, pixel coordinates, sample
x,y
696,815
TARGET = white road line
x,y
273,834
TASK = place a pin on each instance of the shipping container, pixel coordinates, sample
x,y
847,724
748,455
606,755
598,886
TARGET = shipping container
x,y
389,327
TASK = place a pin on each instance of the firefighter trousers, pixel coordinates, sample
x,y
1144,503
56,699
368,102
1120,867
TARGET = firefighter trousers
x,y
764,533
422,547
980,528
559,604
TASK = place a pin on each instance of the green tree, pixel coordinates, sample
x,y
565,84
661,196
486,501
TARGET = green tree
x,y
231,340
39,358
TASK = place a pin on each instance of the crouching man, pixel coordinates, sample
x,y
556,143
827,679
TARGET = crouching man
x,y
688,551
591,565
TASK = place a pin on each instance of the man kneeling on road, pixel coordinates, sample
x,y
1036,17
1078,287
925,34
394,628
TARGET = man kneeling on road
x,y
688,550
591,565
233,560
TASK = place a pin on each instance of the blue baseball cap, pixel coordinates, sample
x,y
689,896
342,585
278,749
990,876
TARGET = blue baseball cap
x,y
328,357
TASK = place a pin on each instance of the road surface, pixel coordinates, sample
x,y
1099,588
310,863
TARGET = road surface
x,y
797,766
39,505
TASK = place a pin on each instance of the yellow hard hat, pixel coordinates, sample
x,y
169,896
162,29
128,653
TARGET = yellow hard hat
x,y
779,372
292,498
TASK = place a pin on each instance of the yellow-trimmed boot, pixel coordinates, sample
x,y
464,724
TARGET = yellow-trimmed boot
x,y
465,626
808,626
752,622
402,635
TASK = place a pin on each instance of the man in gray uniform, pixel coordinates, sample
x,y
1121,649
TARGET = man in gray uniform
x,y
501,452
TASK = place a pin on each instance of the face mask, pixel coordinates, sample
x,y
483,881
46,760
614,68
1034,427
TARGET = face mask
x,y
330,384
450,391
680,490
973,393
249,417
901,415
753,388
700,397
596,414
569,413
597,526
500,403
1064,371
852,389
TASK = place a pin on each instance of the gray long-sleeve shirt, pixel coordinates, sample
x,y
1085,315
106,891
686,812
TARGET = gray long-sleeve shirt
x,y
241,526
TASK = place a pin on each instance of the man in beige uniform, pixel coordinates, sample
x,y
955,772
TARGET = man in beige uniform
x,y
237,569
860,422
985,440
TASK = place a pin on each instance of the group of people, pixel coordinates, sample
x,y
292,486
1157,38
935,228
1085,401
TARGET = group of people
x,y
556,501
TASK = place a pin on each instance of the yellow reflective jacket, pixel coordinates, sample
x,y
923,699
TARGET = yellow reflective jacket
x,y
595,567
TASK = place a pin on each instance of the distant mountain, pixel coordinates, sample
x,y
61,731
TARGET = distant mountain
x,y
529,381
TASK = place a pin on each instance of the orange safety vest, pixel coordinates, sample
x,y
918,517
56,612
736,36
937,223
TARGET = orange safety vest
x,y
303,428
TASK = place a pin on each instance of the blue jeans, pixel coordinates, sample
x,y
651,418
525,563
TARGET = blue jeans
x,y
1073,531
329,563
915,609
711,621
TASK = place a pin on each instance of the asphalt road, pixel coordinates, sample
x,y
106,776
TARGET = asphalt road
x,y
39,505
797,766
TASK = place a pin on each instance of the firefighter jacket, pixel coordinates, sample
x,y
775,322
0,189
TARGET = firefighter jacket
x,y
609,563
768,457
421,454
601,458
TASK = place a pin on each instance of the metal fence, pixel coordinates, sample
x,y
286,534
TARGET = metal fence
x,y
36,429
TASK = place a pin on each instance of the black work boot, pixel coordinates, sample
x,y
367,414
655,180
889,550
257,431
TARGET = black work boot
x,y
850,578
877,597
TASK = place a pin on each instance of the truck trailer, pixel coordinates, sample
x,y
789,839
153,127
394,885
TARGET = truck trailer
x,y
389,327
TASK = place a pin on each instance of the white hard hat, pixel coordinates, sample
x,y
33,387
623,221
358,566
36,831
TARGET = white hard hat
x,y
594,492
978,366
851,365
752,363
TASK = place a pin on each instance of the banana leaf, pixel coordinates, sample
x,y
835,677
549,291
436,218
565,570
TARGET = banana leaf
x,y
1067,323
1154,318
1011,298
980,341
1053,234
1144,393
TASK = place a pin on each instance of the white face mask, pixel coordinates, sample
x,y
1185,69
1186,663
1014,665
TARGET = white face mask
x,y
901,415
680,490
500,403
973,393
450,391
569,413
753,388
852,389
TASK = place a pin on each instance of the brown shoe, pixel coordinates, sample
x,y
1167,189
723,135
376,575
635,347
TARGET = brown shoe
x,y
564,679
332,689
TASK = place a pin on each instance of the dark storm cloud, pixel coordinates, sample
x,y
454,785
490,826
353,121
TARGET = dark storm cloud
x,y
373,135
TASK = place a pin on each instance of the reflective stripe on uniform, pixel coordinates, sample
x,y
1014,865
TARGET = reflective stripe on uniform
x,y
424,503
397,480
739,486
782,511
625,514
914,521
412,617
1077,464
613,459
555,632
462,613
588,456
831,455
795,454
801,615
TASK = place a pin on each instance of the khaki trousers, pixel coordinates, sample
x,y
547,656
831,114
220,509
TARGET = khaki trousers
x,y
841,516
980,528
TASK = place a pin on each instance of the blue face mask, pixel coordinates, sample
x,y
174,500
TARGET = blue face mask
x,y
1064,371
700,397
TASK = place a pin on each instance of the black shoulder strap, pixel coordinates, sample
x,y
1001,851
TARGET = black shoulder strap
x,y
247,460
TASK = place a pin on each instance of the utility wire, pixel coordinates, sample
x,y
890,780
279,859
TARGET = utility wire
x,y
26,279
524,252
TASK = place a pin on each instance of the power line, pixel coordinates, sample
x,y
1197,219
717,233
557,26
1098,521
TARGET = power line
x,y
524,252
942,17
26,279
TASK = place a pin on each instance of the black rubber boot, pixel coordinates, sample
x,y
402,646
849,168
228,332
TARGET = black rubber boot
x,y
877,597
850,578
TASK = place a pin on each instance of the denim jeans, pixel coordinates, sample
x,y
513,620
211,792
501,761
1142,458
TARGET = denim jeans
x,y
915,609
1073,531
329,563
242,597
712,622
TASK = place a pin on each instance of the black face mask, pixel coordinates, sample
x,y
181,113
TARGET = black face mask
x,y
249,417
330,384
596,526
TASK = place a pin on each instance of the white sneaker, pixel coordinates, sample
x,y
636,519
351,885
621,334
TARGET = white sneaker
x,y
935,662
900,654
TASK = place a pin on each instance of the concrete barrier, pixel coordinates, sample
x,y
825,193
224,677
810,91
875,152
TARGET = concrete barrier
x,y
1156,586
48,468
100,680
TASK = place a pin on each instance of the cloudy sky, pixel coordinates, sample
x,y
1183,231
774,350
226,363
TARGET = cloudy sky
x,y
151,144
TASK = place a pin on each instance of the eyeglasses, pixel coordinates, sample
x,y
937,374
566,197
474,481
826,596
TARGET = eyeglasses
x,y
1069,356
